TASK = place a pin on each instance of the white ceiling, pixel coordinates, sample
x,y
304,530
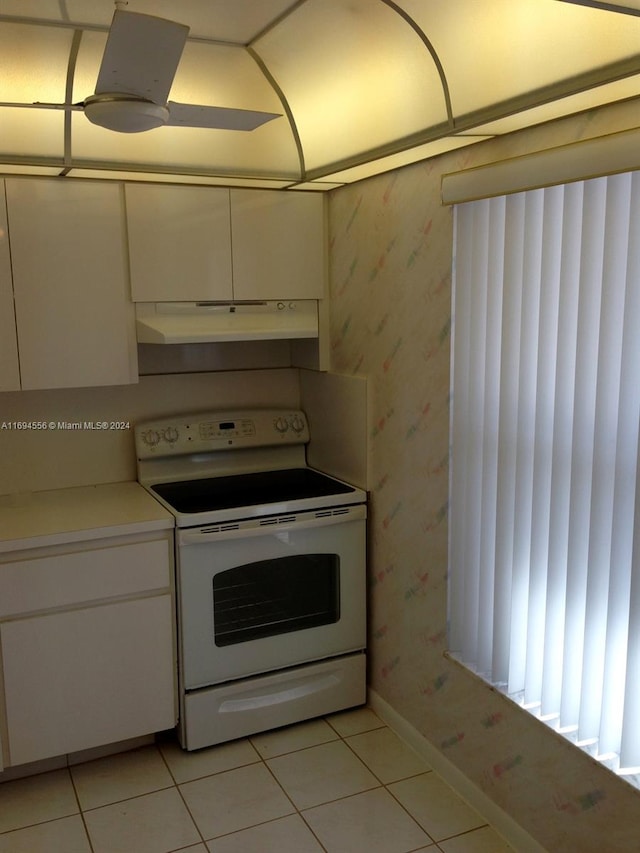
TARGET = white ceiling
x,y
361,85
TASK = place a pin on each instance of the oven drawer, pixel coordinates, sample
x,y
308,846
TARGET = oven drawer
x,y
218,714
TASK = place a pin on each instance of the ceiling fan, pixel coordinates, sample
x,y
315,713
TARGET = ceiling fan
x,y
140,60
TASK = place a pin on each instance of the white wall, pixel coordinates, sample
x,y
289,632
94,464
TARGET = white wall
x,y
38,459
391,259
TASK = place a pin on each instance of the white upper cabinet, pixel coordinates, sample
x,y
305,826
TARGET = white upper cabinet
x,y
198,244
9,370
179,243
279,247
74,317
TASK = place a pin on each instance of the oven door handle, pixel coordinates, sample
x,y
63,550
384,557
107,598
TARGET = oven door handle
x,y
272,528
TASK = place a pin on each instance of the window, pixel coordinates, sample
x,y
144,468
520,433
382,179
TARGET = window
x,y
545,519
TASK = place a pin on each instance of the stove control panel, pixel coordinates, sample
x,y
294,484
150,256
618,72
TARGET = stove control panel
x,y
204,432
212,430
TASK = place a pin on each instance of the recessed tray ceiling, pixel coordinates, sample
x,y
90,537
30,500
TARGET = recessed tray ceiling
x,y
361,86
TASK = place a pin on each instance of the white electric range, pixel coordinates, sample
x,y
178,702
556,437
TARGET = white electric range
x,y
270,571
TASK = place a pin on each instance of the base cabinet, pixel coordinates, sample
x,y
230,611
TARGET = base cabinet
x,y
83,675
86,678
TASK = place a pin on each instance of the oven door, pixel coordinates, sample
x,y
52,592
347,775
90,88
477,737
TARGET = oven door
x,y
259,595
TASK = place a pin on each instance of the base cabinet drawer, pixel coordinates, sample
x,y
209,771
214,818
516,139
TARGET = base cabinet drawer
x,y
78,679
64,579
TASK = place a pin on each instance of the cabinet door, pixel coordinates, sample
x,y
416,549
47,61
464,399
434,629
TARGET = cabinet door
x,y
84,678
179,243
74,318
279,247
9,372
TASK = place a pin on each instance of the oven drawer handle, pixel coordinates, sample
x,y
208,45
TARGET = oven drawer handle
x,y
322,519
279,697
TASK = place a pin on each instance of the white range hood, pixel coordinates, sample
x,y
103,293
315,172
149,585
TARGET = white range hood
x,y
206,322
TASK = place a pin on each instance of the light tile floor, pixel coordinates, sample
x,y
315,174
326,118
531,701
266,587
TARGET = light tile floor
x,y
342,784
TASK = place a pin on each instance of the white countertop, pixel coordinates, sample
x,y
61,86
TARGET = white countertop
x,y
36,519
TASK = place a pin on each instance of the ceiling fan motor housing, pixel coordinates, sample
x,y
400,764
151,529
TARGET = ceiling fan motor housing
x,y
124,113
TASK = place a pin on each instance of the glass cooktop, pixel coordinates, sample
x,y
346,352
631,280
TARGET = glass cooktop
x,y
240,490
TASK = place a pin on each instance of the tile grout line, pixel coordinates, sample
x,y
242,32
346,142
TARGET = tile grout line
x,y
297,810
184,802
260,759
79,813
341,739
385,785
80,809
381,785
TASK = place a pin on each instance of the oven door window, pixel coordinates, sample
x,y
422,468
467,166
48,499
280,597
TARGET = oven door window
x,y
269,597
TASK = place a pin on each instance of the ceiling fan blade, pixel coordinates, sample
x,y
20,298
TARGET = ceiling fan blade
x,y
43,105
141,56
220,118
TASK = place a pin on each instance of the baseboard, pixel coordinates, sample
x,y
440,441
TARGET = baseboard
x,y
35,768
505,825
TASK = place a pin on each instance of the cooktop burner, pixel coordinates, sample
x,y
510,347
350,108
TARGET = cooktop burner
x,y
239,490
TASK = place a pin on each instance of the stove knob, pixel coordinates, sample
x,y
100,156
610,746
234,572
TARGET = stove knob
x,y
281,424
171,435
151,437
297,424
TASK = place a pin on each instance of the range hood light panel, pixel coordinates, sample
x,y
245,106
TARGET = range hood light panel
x,y
210,322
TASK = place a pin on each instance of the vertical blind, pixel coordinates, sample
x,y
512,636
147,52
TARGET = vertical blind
x,y
545,500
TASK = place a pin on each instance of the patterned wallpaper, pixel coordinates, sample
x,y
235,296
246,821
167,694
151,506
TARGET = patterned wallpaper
x,y
391,252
